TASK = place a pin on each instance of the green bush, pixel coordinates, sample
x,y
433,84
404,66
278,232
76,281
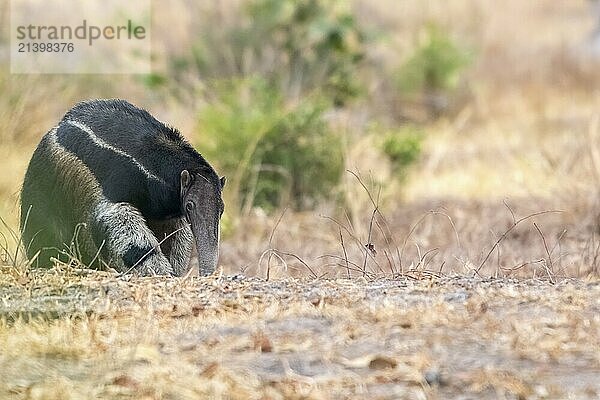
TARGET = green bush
x,y
436,64
318,42
269,79
276,152
403,148
298,47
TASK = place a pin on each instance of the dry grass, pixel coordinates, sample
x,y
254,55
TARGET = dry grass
x,y
526,134
528,237
70,334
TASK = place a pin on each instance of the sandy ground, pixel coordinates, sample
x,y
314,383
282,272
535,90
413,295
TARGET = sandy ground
x,y
82,334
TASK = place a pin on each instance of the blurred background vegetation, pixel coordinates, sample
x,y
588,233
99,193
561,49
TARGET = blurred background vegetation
x,y
275,77
438,101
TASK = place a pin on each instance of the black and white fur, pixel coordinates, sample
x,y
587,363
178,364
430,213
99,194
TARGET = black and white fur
x,y
122,190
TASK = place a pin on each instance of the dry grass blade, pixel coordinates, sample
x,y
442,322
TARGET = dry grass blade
x,y
345,252
510,229
416,225
276,225
548,266
150,251
375,202
280,253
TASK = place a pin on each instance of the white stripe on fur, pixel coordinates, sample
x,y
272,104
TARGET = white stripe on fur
x,y
52,136
101,143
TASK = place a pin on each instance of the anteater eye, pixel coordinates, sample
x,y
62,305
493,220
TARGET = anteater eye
x,y
189,206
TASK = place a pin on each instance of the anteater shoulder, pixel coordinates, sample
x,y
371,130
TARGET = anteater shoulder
x,y
132,128
107,112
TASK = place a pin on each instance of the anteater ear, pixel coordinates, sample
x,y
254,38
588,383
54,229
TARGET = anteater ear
x,y
186,179
223,180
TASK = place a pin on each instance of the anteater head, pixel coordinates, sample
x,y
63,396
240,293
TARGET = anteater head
x,y
202,205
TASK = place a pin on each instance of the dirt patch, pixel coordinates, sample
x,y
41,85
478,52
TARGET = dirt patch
x,y
85,334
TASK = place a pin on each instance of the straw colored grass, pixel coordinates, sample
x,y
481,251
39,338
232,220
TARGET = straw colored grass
x,y
524,140
70,334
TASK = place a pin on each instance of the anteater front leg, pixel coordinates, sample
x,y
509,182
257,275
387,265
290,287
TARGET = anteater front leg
x,y
176,240
126,242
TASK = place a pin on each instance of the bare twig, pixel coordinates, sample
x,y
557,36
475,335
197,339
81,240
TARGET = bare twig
x,y
435,250
356,240
512,213
442,267
345,253
16,238
522,265
503,236
369,244
390,261
20,242
414,227
364,187
557,244
271,254
548,264
387,253
275,226
280,253
312,272
375,203
370,275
